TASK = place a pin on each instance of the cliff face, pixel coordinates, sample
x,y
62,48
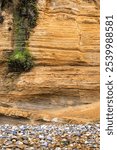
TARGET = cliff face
x,y
65,48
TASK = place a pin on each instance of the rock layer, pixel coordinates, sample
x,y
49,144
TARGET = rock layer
x,y
65,48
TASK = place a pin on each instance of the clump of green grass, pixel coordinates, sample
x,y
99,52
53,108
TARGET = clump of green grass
x,y
20,60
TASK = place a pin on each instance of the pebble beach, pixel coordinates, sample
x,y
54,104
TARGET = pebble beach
x,y
50,137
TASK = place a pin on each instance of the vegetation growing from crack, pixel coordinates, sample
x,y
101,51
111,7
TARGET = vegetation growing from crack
x,y
25,16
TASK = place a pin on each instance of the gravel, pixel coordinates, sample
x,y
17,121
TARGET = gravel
x,y
50,137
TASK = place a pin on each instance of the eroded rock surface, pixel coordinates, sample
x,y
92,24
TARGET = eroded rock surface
x,y
65,48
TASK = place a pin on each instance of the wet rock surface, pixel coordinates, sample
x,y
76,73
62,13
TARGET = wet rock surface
x,y
50,137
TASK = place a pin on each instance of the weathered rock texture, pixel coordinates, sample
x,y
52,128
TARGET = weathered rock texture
x,y
65,48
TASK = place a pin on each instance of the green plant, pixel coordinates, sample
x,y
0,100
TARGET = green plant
x,y
20,60
25,16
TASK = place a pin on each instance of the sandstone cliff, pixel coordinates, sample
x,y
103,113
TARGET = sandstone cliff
x,y
65,48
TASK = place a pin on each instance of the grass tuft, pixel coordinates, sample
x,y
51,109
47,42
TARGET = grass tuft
x,y
20,61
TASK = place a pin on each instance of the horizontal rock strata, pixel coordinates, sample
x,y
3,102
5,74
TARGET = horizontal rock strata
x,y
65,48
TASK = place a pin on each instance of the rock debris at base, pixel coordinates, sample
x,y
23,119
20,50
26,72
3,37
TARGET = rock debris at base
x,y
50,137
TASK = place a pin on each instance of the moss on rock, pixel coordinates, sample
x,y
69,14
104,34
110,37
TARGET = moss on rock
x,y
25,16
20,61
